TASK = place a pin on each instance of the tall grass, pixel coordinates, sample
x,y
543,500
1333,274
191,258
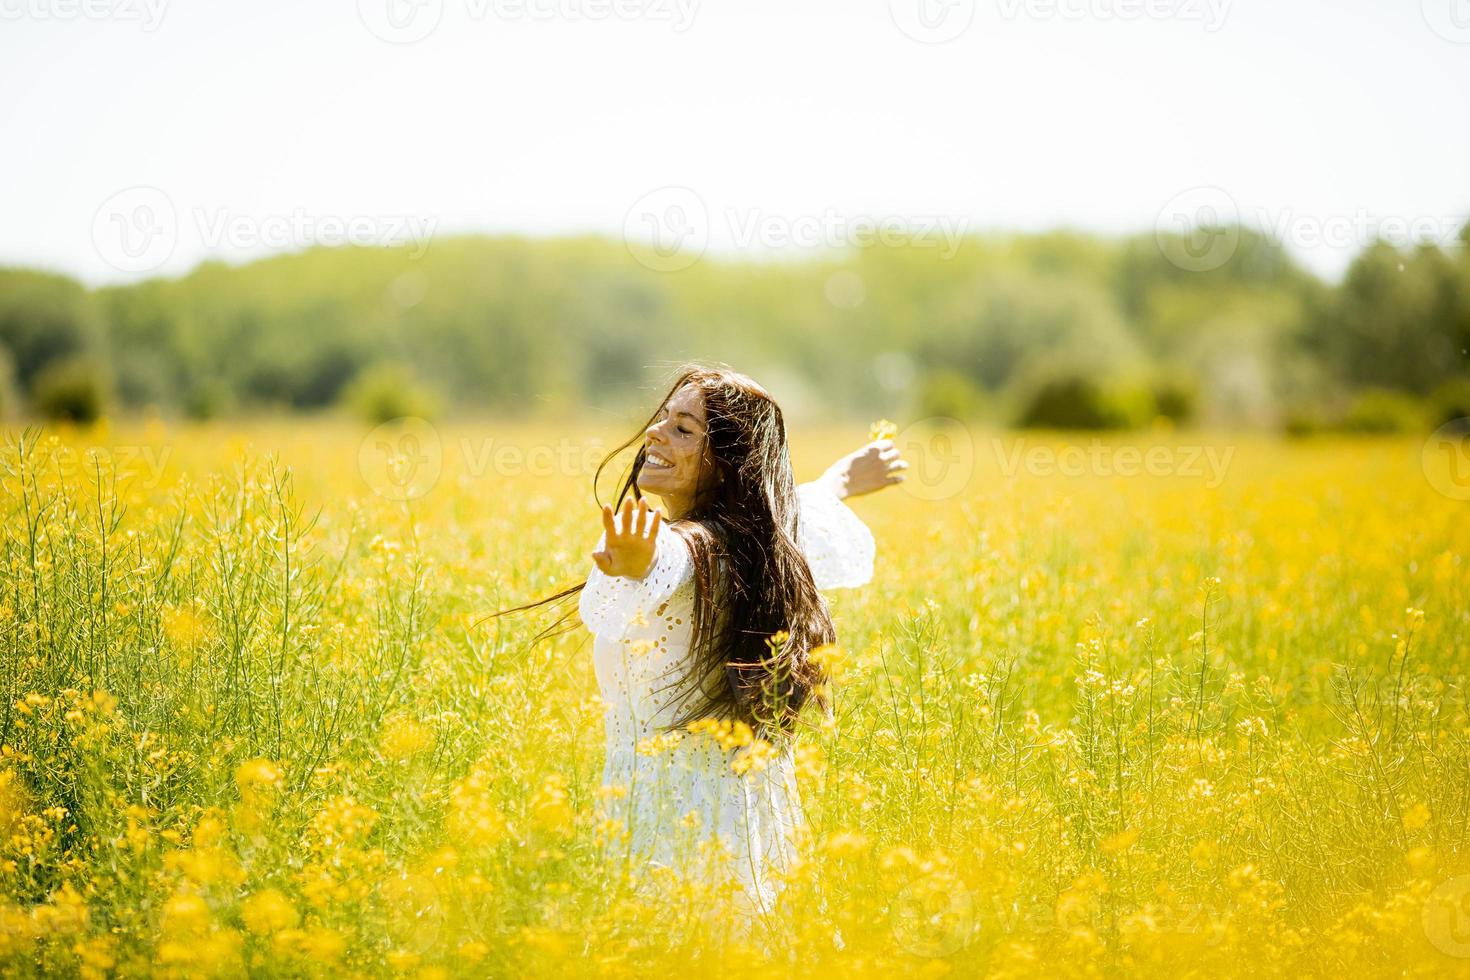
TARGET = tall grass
x,y
253,721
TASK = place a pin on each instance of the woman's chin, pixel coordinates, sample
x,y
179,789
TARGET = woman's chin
x,y
650,483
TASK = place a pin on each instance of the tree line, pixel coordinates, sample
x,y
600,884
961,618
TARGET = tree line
x,y
1057,329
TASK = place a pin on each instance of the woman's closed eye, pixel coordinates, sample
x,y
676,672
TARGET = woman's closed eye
x,y
680,428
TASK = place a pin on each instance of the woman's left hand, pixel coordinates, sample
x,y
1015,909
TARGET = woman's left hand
x,y
871,468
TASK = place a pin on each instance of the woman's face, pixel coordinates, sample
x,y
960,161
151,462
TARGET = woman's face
x,y
674,450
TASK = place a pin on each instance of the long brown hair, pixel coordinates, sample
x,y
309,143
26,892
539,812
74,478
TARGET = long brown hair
x,y
757,613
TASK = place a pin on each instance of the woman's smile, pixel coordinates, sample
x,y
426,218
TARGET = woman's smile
x,y
653,459
674,450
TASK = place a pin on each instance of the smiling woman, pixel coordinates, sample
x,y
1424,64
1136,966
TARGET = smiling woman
x,y
673,456
710,631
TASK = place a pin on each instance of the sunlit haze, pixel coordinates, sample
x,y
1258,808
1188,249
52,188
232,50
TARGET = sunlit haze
x,y
780,126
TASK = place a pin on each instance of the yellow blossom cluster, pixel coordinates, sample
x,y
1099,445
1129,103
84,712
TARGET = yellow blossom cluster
x,y
256,723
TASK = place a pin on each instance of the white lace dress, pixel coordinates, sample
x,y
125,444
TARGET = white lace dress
x,y
674,795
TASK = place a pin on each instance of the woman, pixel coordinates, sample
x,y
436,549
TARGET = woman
x,y
705,618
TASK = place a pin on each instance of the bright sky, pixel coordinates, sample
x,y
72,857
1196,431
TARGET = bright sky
x,y
142,136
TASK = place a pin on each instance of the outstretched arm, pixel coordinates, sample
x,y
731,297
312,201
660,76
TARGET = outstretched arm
x,y
867,470
628,539
638,564
838,546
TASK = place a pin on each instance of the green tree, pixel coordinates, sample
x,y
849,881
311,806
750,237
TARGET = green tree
x,y
43,318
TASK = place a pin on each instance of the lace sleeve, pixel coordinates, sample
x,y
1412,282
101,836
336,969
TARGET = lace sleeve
x,y
838,545
608,603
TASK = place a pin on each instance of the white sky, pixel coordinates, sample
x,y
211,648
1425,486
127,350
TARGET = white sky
x,y
274,116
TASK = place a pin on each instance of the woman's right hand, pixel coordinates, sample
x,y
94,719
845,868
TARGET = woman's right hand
x,y
630,538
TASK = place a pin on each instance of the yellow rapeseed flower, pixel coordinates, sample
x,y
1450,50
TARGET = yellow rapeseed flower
x,y
183,628
754,757
1416,817
847,844
403,738
882,429
549,806
268,911
474,817
257,776
831,659
186,914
